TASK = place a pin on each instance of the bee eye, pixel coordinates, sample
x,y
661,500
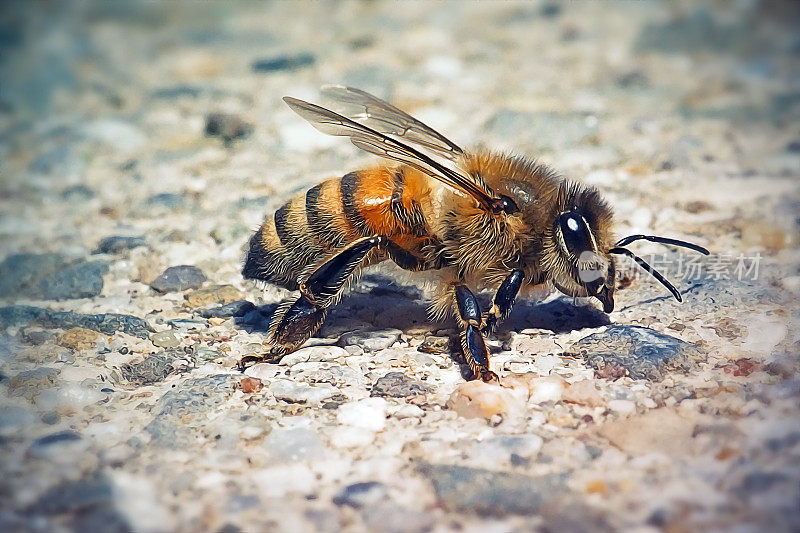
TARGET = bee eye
x,y
509,205
575,232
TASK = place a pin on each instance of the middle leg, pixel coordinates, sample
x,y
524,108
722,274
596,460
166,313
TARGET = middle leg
x,y
472,342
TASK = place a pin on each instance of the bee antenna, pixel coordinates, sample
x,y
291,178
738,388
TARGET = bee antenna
x,y
662,240
642,263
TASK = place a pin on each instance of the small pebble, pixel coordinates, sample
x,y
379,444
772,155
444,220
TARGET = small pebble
x,y
409,411
291,391
184,324
233,309
213,294
116,244
227,126
250,385
313,354
371,341
179,278
622,406
283,62
78,339
435,345
369,414
294,444
360,495
547,389
165,339
476,399
583,392
398,385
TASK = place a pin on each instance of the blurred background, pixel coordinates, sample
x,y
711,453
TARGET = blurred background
x,y
137,136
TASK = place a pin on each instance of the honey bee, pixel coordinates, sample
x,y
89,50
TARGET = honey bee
x,y
477,219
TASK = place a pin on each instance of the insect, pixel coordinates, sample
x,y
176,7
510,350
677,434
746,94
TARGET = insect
x,y
477,219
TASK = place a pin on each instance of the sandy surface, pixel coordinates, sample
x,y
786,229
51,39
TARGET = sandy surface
x,y
121,408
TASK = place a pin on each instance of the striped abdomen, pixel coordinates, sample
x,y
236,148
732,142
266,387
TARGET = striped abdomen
x,y
313,225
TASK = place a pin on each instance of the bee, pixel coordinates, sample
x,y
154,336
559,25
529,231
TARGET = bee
x,y
478,220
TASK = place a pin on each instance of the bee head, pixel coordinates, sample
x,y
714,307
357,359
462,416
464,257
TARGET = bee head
x,y
580,254
577,259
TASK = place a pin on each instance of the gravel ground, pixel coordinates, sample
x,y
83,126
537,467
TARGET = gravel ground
x,y
142,143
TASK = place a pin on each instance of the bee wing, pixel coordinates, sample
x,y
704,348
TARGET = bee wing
x,y
385,118
382,145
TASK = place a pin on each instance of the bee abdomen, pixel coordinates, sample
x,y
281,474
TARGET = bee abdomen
x,y
301,232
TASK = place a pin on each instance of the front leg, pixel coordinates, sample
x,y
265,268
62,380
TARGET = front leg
x,y
472,343
503,300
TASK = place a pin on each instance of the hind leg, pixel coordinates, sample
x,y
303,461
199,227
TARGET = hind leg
x,y
296,321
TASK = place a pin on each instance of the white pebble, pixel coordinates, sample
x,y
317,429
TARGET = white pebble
x,y
369,413
547,389
622,406
352,437
263,371
312,354
409,411
281,480
69,398
286,389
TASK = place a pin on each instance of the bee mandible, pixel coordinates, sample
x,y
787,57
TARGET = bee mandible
x,y
476,219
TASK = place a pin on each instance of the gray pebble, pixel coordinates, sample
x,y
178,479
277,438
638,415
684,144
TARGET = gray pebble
x,y
29,382
234,309
371,341
186,406
179,278
641,353
55,444
35,336
14,419
153,369
167,200
78,193
207,354
486,492
283,62
362,494
107,323
119,243
75,496
50,277
227,126
398,385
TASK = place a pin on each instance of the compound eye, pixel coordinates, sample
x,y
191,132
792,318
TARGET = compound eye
x,y
576,233
509,205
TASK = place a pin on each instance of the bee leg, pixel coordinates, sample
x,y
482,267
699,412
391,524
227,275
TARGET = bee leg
x,y
405,259
503,300
294,323
472,342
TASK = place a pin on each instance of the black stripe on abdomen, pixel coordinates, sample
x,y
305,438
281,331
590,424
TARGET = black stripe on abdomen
x,y
320,220
349,187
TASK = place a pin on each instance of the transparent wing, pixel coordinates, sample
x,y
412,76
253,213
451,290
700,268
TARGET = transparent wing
x,y
382,145
385,118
